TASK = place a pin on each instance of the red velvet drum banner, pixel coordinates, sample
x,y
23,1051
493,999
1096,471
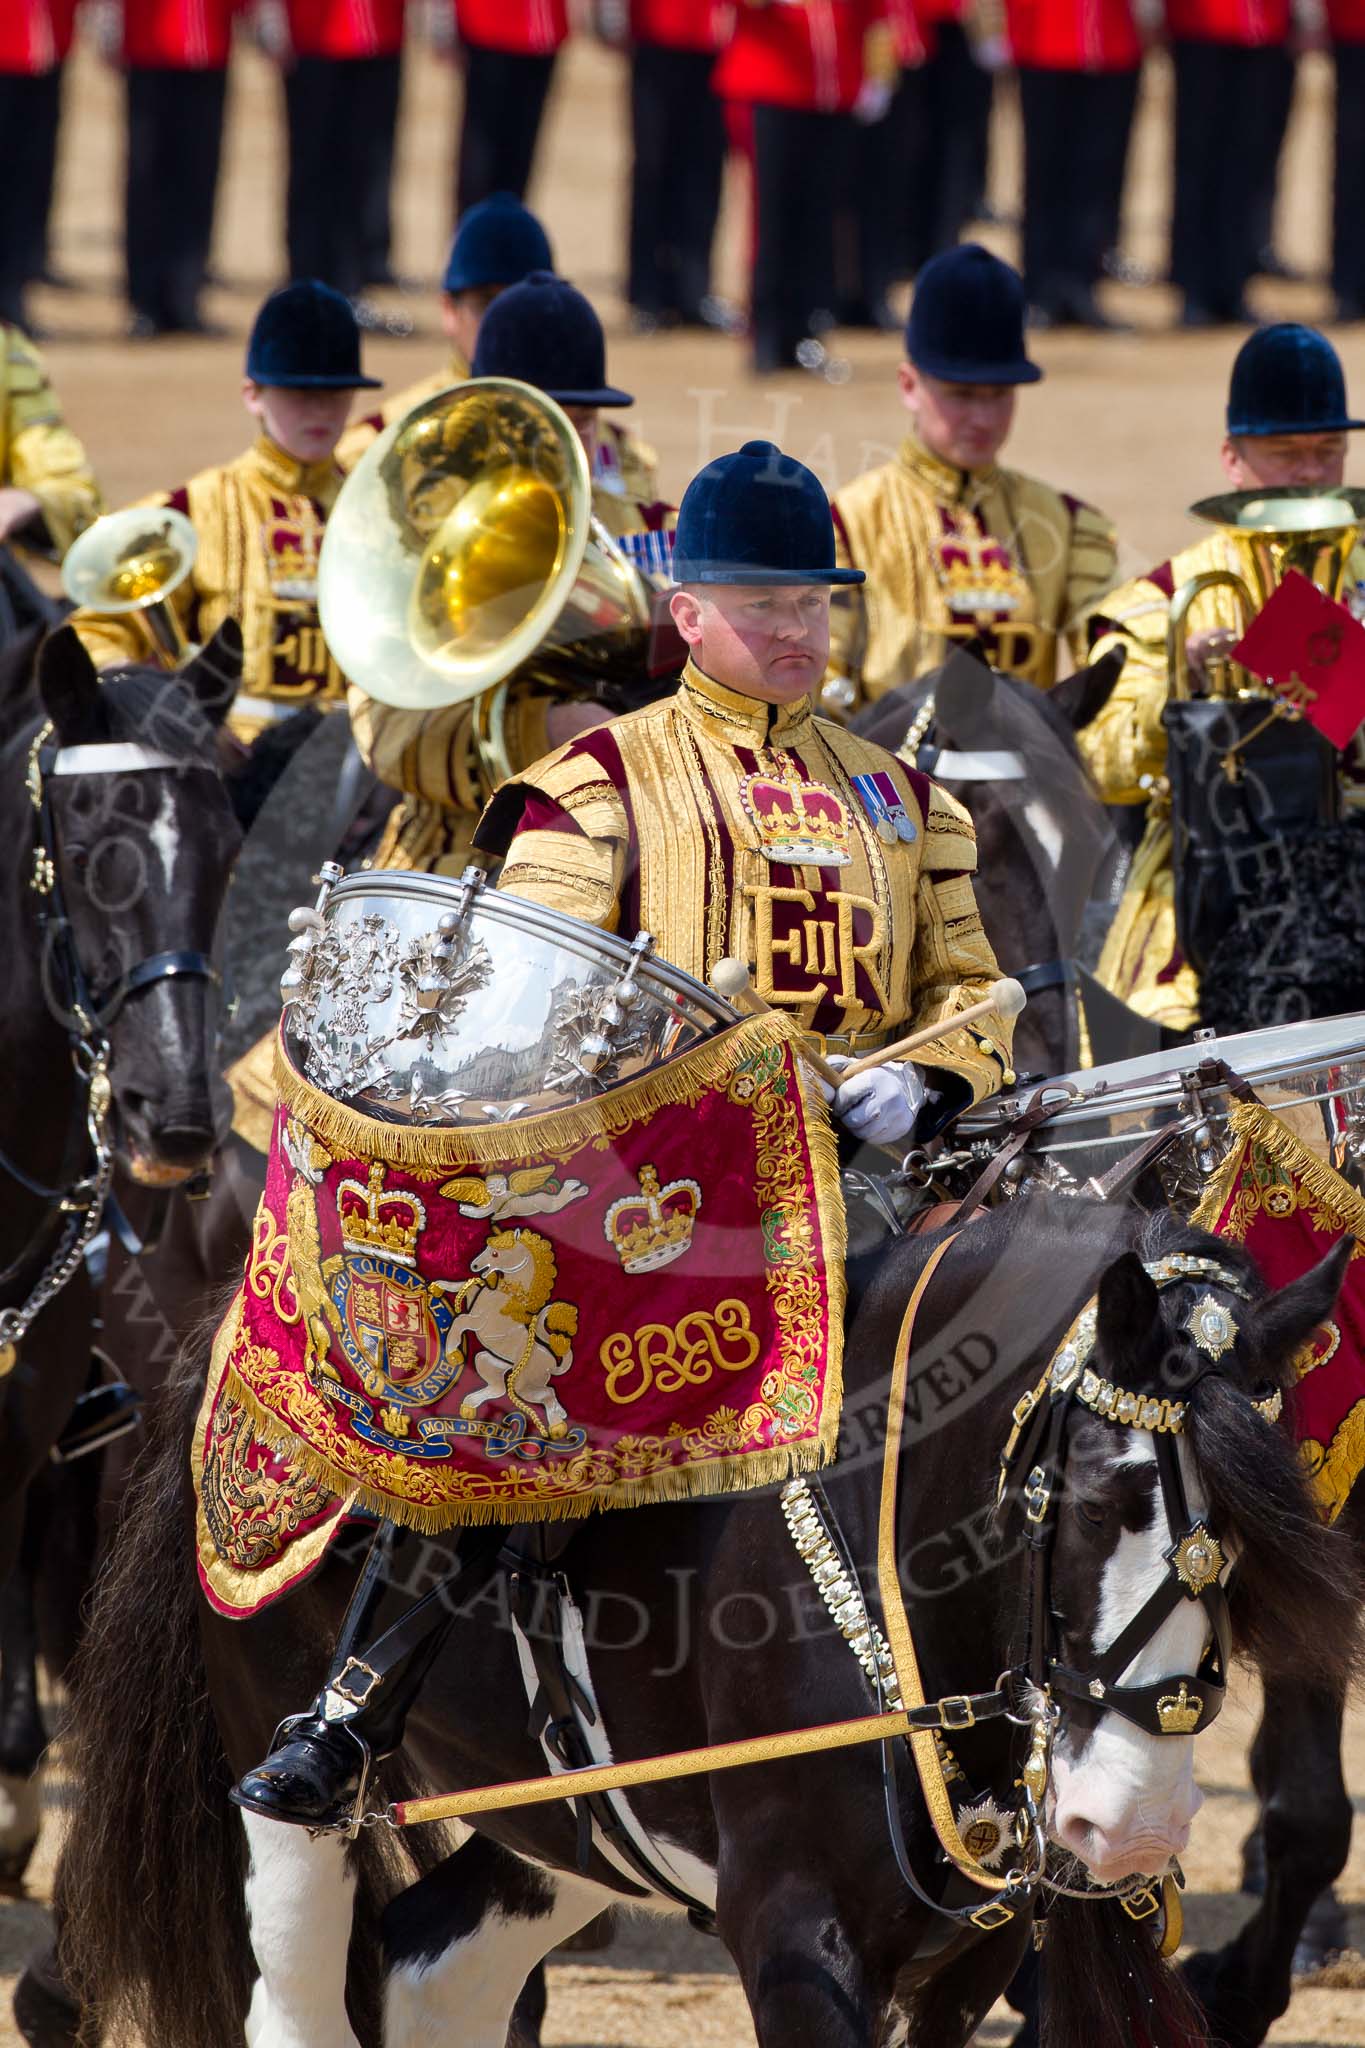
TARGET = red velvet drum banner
x,y
637,1298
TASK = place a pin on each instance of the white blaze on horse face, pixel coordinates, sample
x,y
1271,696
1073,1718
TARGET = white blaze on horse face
x,y
165,837
1123,1799
1047,829
299,1900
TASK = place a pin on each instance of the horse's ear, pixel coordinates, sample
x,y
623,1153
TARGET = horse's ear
x,y
68,684
1286,1321
215,673
1129,1314
1081,696
966,690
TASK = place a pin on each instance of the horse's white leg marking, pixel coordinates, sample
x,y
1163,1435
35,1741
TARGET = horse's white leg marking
x,y
466,1994
299,1901
493,1372
21,1815
1126,1801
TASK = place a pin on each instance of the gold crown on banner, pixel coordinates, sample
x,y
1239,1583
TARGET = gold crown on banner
x,y
653,1228
797,820
1178,1713
376,1219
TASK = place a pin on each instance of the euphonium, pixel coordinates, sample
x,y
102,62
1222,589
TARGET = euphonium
x,y
1296,527
131,562
463,545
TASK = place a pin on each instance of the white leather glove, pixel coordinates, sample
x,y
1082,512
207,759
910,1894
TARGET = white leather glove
x,y
882,1105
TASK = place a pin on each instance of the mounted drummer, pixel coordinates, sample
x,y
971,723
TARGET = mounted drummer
x,y
730,822
957,549
1288,427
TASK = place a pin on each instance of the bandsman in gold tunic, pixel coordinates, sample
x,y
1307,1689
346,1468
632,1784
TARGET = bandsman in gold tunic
x,y
730,820
1287,424
498,243
546,334
957,548
48,492
259,520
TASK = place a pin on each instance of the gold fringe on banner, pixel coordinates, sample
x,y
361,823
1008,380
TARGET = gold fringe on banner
x,y
428,1149
1252,1123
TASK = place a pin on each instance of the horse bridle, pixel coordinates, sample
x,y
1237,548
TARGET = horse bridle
x,y
93,1010
1035,1460
88,1014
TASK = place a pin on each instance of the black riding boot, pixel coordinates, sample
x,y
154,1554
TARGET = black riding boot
x,y
317,1771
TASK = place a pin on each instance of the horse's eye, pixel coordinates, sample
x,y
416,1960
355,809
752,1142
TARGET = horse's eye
x,y
1091,1513
78,859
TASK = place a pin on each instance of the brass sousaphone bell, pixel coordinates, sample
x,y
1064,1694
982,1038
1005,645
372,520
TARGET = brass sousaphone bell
x,y
1295,527
464,544
131,561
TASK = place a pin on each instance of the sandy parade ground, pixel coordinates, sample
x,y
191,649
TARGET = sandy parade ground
x,y
1130,421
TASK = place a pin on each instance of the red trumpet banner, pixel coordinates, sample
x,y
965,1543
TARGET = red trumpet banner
x,y
1311,651
1289,1207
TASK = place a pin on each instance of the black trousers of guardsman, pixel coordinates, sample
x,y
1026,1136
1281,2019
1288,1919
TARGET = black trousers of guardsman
x,y
342,117
504,99
1348,181
30,110
1077,126
1216,220
175,143
798,175
939,125
678,147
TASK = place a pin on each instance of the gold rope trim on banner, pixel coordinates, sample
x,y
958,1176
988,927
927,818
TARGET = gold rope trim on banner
x,y
1253,1123
425,1148
922,1744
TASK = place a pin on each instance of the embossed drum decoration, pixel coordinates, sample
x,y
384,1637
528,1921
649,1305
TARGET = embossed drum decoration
x,y
432,1001
1311,1074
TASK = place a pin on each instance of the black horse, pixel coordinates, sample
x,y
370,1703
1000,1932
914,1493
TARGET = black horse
x,y
1045,842
121,839
171,1926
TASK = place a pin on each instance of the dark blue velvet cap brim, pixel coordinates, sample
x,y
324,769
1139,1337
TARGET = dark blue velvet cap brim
x,y
746,572
952,371
1257,430
287,383
605,395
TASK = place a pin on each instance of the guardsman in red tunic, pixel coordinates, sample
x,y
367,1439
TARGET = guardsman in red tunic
x,y
678,146
343,73
1346,28
175,53
508,50
35,37
1078,63
800,68
1230,58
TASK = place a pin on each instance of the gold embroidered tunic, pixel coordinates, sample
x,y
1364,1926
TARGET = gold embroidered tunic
x,y
38,451
1124,748
626,465
431,759
259,522
974,555
688,820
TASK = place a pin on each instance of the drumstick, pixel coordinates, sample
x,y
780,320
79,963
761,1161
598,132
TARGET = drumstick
x,y
730,978
1006,999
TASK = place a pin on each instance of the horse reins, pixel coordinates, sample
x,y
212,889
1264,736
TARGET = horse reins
x,y
1027,1695
86,1015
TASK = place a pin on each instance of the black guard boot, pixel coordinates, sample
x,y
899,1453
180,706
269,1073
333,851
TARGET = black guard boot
x,y
318,1770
